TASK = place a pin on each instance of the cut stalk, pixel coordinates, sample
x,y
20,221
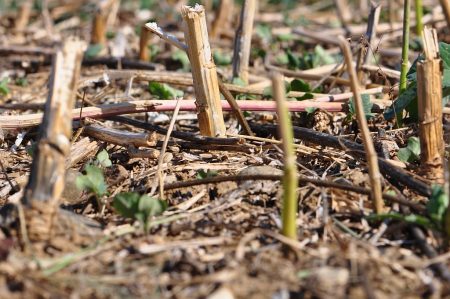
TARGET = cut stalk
x,y
243,40
144,53
405,45
429,91
43,192
98,35
223,17
290,180
204,73
371,154
419,16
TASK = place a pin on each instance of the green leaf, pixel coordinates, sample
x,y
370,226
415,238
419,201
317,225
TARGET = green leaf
x,y
93,50
221,58
322,57
412,218
414,145
405,155
127,204
151,206
293,61
103,159
411,152
300,85
437,205
183,58
367,106
93,181
4,90
164,91
201,174
310,110
134,206
407,98
264,31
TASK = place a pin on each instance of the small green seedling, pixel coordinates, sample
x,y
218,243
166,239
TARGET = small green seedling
x,y
140,207
103,160
94,180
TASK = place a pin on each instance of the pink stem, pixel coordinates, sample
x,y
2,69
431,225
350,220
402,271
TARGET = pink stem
x,y
31,120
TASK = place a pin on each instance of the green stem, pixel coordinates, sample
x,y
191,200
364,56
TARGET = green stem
x,y
290,181
405,45
419,16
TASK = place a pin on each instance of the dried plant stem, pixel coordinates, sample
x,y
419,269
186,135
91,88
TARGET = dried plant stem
x,y
446,9
102,111
144,53
223,16
419,16
405,45
371,154
43,192
365,52
429,91
204,72
290,180
98,35
24,16
243,40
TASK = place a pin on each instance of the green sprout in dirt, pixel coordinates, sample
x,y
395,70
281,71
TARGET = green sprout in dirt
x,y
93,180
290,180
139,207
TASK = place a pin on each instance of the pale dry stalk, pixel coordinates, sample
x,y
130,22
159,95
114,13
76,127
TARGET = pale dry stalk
x,y
371,154
204,73
223,17
44,189
243,40
429,91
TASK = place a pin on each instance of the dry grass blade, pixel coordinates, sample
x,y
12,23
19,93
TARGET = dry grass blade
x,y
372,157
